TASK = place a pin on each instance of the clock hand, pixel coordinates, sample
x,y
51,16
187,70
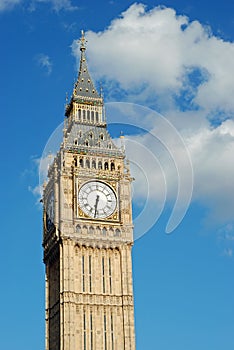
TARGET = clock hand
x,y
95,206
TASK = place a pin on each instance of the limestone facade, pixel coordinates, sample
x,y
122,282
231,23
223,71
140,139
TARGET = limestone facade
x,y
89,292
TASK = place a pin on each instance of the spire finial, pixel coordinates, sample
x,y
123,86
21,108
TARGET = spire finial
x,y
82,41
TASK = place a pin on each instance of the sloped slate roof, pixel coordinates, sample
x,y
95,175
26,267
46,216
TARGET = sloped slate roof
x,y
96,138
84,86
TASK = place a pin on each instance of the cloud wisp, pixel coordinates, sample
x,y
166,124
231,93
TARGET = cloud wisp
x,y
57,5
44,62
7,5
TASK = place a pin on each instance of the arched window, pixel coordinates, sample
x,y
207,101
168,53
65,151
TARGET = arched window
x,y
94,164
117,232
75,161
78,229
80,133
88,116
92,116
90,135
104,231
101,136
86,142
81,162
112,166
106,166
75,142
99,165
87,164
84,115
76,250
91,230
97,117
79,114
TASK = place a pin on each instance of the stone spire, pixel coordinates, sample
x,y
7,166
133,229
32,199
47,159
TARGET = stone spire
x,y
84,90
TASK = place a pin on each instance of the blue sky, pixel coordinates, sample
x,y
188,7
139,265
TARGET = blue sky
x,y
177,60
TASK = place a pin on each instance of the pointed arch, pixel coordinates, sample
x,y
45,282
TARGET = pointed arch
x,y
78,229
81,162
87,163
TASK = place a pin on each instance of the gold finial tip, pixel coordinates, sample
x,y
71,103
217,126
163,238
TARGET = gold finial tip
x,y
82,41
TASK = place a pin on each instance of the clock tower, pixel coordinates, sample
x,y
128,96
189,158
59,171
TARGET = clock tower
x,y
88,231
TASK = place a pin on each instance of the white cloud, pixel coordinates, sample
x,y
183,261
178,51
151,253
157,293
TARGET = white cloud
x,y
57,5
157,54
212,152
44,62
161,173
159,58
8,4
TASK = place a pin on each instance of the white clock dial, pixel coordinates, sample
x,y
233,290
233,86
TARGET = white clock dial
x,y
97,199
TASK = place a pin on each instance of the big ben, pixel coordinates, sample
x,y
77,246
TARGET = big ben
x,y
88,231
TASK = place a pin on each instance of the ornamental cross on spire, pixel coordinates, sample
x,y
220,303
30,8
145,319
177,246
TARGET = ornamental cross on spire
x,y
82,41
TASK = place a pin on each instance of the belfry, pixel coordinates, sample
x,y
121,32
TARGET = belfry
x,y
88,231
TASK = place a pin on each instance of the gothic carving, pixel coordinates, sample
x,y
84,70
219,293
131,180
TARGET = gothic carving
x,y
88,258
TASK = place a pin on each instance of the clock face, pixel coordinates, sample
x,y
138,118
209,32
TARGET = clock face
x,y
97,199
50,211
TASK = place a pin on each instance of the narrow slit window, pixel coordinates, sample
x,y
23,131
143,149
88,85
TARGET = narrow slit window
x,y
90,274
112,333
105,335
83,273
91,331
92,116
103,276
110,276
84,326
